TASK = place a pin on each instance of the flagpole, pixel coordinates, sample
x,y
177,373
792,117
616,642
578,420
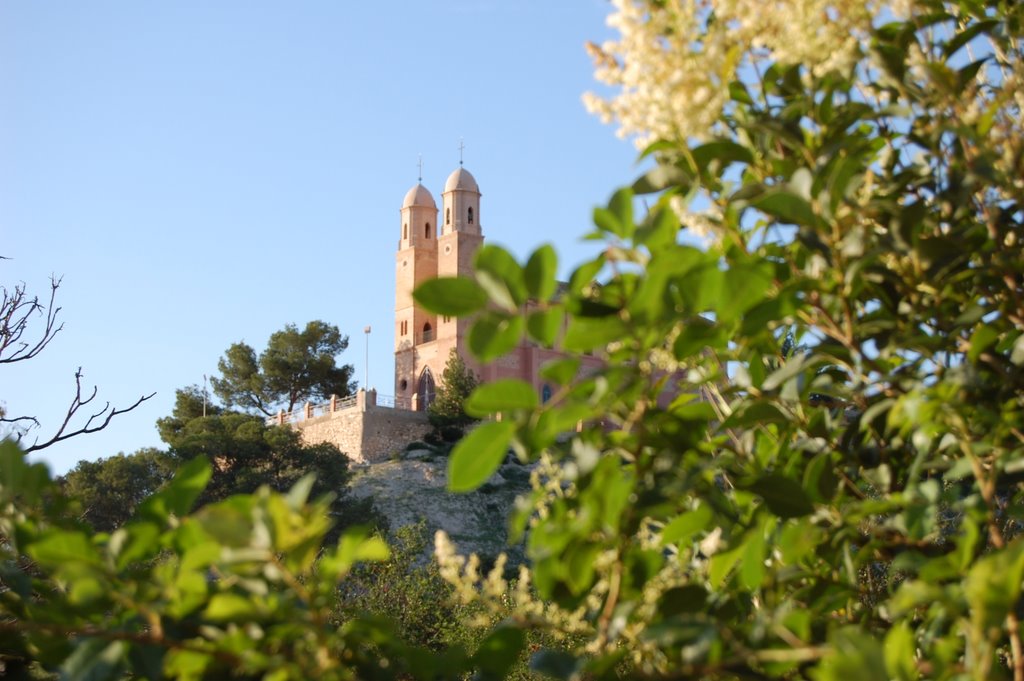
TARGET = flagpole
x,y
366,368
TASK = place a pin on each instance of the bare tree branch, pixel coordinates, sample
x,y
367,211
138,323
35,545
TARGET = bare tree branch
x,y
96,422
16,311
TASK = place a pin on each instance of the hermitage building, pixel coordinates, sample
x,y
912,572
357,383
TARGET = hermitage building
x,y
442,243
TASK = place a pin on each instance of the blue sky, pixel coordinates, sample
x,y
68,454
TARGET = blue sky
x,y
201,173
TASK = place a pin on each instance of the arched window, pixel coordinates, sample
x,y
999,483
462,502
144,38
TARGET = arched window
x,y
447,216
545,393
428,332
427,390
471,215
405,231
427,230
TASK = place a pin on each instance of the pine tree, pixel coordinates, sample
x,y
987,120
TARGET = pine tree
x,y
445,412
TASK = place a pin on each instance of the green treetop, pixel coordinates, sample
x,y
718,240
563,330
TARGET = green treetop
x,y
295,366
447,412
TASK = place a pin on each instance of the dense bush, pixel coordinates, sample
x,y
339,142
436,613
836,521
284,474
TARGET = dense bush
x,y
835,489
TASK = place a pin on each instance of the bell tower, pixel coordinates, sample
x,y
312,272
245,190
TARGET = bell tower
x,y
461,236
415,262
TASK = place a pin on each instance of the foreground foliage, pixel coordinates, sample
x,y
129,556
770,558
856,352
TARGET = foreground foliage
x,y
240,588
807,445
246,452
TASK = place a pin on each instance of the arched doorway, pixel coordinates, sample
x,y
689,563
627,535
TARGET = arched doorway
x,y
427,391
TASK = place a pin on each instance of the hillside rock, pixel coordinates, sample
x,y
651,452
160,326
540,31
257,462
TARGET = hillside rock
x,y
415,488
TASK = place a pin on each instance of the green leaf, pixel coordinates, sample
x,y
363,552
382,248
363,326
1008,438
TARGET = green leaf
x,y
792,367
1017,355
683,527
658,230
478,455
540,273
95,659
820,480
853,656
298,495
178,496
591,333
133,542
724,152
738,93
981,340
585,275
494,335
560,371
554,664
501,276
579,559
702,289
353,546
606,221
19,478
752,569
993,586
555,422
722,564
966,35
621,206
899,652
660,178
783,496
147,661
186,665
453,296
230,607
499,651
544,325
696,336
503,395
686,407
755,413
687,599
657,146
801,182
787,206
59,548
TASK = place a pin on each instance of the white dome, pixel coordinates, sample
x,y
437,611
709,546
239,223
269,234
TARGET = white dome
x,y
461,179
418,196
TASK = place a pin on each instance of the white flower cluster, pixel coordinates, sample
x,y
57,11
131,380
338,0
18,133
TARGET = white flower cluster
x,y
494,594
675,59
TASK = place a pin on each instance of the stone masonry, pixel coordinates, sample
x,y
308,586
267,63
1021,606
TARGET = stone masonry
x,y
365,431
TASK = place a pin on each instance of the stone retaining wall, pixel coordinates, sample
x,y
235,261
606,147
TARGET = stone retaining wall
x,y
366,432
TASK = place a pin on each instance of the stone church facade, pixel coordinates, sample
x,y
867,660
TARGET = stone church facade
x,y
441,242
433,242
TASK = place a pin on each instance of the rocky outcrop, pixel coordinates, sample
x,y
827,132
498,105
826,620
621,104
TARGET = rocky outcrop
x,y
415,488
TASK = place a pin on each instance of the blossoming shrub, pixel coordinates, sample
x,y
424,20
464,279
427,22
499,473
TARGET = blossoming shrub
x,y
735,507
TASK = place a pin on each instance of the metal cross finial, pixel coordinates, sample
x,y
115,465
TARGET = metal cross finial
x,y
461,147
421,168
